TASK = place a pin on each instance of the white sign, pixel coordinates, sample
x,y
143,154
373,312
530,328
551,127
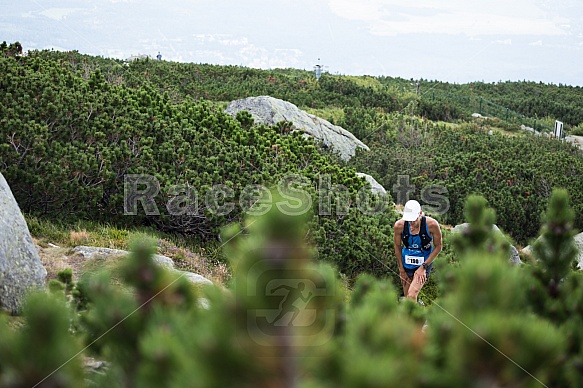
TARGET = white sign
x,y
558,129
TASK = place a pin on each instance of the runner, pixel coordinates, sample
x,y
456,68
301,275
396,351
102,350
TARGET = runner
x,y
417,244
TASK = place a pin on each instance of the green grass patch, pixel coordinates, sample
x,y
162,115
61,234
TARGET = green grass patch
x,y
110,264
90,233
46,231
366,81
188,253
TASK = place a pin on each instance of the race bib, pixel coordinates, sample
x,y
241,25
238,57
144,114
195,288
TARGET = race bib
x,y
414,260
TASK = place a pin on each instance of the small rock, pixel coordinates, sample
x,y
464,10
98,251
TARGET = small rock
x,y
89,252
578,242
513,258
375,186
195,278
164,261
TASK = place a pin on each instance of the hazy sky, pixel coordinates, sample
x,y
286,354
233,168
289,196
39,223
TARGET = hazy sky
x,y
448,40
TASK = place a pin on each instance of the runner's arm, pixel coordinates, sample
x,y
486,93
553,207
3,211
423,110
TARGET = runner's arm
x,y
397,231
435,232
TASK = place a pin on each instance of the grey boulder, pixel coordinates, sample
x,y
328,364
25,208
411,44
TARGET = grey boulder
x,y
269,111
20,266
513,256
375,186
163,261
578,238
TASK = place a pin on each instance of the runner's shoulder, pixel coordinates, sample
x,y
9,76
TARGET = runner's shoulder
x,y
400,224
431,222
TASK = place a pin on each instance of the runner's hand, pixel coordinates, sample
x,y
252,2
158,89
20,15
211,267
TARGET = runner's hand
x,y
421,275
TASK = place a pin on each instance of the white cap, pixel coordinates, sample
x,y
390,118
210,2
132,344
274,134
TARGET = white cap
x,y
411,211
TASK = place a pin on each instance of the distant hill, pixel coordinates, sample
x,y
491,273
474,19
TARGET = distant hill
x,y
227,83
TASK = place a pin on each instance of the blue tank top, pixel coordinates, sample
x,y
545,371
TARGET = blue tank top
x,y
414,256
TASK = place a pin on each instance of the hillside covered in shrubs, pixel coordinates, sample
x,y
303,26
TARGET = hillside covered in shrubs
x,y
147,143
74,125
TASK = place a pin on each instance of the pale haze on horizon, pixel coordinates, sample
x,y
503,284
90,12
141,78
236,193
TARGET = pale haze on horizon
x,y
457,41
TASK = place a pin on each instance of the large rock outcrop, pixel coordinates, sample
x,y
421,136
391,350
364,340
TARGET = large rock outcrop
x,y
268,110
20,265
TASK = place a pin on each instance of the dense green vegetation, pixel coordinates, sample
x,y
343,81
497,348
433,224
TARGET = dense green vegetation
x,y
531,99
75,144
516,174
73,126
227,83
78,133
495,324
438,100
